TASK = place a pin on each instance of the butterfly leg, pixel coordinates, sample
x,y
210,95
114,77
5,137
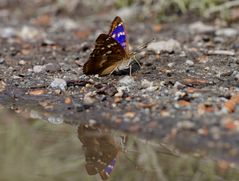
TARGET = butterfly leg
x,y
134,57
130,70
116,67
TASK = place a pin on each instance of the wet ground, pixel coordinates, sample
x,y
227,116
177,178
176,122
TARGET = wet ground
x,y
185,94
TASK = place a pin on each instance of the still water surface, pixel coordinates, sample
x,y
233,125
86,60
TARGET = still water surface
x,y
33,149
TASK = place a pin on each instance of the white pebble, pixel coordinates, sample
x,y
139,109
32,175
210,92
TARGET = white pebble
x,y
39,68
127,81
189,62
58,83
165,46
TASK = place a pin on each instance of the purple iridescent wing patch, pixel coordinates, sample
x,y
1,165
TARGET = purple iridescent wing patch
x,y
108,170
117,32
110,167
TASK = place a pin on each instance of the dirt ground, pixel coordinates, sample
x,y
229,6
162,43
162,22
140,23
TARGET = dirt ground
x,y
187,96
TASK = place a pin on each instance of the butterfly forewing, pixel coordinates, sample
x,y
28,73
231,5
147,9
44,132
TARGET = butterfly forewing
x,y
117,31
106,56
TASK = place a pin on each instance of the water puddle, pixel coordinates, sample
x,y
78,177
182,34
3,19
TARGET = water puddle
x,y
33,149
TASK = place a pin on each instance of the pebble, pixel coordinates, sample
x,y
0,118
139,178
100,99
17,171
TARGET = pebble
x,y
179,94
65,24
227,32
68,100
79,107
50,67
39,68
117,100
55,120
169,46
148,86
129,114
2,86
128,12
236,75
178,85
171,64
200,27
59,83
22,62
2,60
185,125
8,32
215,133
30,33
36,92
189,62
127,81
145,83
89,98
120,92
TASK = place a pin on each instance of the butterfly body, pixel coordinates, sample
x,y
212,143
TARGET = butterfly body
x,y
111,51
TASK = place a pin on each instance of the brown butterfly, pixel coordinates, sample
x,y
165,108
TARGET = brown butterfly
x,y
111,51
101,150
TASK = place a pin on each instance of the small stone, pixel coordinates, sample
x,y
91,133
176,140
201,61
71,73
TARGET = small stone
x,y
28,33
8,32
148,86
145,83
59,83
171,64
79,107
179,94
2,86
48,42
89,98
169,46
68,100
39,68
227,32
50,67
65,24
178,85
129,114
236,75
189,62
182,103
120,92
56,120
22,62
200,27
215,132
185,125
36,92
117,100
2,60
127,81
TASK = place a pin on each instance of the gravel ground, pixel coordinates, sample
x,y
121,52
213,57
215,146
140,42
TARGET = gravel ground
x,y
185,93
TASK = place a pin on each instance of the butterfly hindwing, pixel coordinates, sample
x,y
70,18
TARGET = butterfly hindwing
x,y
106,56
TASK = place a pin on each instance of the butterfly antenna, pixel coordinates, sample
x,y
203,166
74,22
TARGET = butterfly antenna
x,y
139,49
142,47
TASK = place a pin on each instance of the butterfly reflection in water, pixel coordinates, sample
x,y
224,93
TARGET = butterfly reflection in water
x,y
101,150
111,51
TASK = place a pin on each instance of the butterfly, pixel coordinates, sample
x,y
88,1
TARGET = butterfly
x,y
101,150
111,51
